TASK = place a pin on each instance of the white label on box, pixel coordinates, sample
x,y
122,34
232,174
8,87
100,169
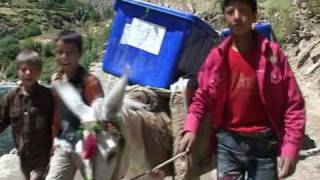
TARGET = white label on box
x,y
125,34
146,36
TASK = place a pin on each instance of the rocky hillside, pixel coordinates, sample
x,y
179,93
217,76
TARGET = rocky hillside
x,y
304,44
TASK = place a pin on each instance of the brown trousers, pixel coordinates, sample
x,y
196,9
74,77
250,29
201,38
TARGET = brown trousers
x,y
34,168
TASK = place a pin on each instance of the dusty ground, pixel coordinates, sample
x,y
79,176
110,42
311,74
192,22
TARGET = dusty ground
x,y
309,168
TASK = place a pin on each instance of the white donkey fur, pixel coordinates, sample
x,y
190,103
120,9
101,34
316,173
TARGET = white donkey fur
x,y
102,167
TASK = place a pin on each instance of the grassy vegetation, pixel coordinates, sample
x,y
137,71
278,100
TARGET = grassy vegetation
x,y
280,14
29,25
6,1
316,3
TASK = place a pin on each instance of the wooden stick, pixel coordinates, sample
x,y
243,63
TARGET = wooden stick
x,y
140,175
169,161
160,165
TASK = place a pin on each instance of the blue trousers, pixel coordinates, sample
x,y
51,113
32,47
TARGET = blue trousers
x,y
243,157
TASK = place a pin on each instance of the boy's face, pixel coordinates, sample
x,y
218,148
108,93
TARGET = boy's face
x,y
67,56
239,17
28,74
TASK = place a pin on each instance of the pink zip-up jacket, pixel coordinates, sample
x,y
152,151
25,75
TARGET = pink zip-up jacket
x,y
278,90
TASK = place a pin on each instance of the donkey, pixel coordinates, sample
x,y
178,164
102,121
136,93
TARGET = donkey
x,y
111,159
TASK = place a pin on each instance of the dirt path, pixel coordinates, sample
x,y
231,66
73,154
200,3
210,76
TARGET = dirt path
x,y
309,168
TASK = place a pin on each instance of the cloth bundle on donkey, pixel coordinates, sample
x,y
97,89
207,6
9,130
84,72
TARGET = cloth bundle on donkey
x,y
159,133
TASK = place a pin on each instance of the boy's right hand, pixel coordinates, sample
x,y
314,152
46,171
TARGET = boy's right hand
x,y
286,167
54,77
186,141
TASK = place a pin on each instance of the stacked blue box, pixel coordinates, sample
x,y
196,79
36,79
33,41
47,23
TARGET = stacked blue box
x,y
263,28
158,43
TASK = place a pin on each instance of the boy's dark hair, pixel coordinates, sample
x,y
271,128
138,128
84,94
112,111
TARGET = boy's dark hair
x,y
252,3
70,36
29,57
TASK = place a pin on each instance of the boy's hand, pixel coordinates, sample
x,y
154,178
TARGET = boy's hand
x,y
286,167
186,141
54,77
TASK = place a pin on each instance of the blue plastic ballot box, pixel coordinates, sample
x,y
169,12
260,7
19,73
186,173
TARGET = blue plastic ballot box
x,y
263,28
159,44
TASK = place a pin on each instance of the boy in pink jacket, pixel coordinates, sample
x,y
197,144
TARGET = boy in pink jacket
x,y
255,103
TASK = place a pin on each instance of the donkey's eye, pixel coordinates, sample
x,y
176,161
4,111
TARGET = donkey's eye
x,y
112,154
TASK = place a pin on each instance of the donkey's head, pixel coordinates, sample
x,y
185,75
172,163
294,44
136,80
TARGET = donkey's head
x,y
102,111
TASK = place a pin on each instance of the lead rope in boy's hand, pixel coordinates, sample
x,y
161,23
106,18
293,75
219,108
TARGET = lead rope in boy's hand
x,y
160,165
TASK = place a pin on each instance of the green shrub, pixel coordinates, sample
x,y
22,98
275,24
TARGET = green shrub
x,y
30,44
28,31
49,67
3,65
87,42
108,13
48,50
55,2
6,1
84,13
9,52
7,41
93,45
315,5
61,4
33,1
88,57
81,14
10,71
50,4
60,1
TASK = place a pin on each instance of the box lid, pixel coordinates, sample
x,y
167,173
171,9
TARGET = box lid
x,y
169,11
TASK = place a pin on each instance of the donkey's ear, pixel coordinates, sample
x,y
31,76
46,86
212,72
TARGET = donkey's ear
x,y
72,99
114,99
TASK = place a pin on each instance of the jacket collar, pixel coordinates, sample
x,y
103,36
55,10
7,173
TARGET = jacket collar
x,y
34,91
